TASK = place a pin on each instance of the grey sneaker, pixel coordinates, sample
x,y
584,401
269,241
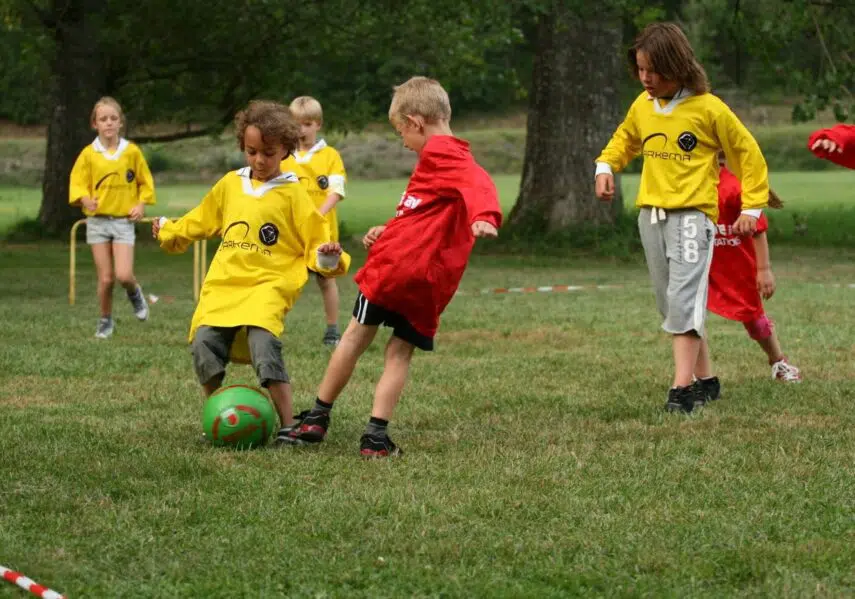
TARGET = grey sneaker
x,y
331,337
105,328
137,299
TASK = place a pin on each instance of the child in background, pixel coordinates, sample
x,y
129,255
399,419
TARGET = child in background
x,y
320,169
111,181
271,232
741,273
679,127
415,262
836,144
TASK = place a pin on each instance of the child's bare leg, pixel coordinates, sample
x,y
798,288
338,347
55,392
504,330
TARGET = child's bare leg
x,y
329,292
212,385
123,258
103,258
281,395
703,369
686,350
772,347
354,342
399,353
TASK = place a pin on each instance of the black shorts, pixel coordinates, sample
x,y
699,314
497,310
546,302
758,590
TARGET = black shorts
x,y
373,315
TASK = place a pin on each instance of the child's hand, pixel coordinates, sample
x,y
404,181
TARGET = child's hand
x,y
605,186
765,282
89,204
482,228
156,224
373,235
827,145
745,225
137,212
328,255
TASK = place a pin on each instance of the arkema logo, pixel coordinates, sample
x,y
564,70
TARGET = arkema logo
x,y
234,238
659,148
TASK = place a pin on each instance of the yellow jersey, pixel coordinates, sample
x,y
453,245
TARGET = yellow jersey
x,y
679,141
119,180
270,233
321,170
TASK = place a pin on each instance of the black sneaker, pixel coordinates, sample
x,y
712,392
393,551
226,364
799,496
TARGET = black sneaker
x,y
711,388
376,446
287,435
332,337
311,427
682,399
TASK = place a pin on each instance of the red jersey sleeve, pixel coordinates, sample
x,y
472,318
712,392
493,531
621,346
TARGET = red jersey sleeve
x,y
482,199
844,137
762,224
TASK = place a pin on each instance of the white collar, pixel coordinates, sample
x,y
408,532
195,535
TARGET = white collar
x,y
319,145
99,147
245,174
678,98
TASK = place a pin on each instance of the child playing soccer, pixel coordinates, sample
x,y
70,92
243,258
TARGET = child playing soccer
x,y
111,181
271,232
679,127
741,273
320,169
836,144
415,262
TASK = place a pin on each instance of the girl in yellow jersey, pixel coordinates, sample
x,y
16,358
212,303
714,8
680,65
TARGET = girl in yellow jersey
x,y
112,182
320,168
271,233
679,128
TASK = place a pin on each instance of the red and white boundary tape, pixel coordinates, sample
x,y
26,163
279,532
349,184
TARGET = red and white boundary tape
x,y
29,585
543,289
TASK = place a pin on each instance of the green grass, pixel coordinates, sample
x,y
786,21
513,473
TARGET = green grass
x,y
539,462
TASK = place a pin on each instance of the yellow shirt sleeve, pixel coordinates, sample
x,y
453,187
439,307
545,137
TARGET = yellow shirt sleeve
x,y
624,145
338,176
314,231
203,222
80,178
744,158
145,182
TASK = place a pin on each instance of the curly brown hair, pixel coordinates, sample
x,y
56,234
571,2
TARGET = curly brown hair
x,y
274,120
671,56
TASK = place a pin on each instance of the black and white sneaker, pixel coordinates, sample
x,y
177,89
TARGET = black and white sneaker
x,y
311,426
105,328
682,399
710,388
378,446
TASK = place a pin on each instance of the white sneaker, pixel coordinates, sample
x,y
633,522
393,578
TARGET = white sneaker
x,y
140,305
784,371
105,328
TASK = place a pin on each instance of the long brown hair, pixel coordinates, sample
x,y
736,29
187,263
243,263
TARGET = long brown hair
x,y
671,56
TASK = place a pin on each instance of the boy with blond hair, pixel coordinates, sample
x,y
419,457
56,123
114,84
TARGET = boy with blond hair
x,y
321,170
415,261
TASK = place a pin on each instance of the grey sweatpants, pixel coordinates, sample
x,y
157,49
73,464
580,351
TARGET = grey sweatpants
x,y
678,246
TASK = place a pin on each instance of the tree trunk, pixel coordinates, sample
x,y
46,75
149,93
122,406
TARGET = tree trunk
x,y
77,85
574,108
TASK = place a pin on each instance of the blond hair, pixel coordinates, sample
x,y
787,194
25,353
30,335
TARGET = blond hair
x,y
107,101
671,56
274,120
306,108
420,96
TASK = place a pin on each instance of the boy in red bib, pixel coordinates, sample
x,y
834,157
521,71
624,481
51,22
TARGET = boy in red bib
x,y
415,261
741,274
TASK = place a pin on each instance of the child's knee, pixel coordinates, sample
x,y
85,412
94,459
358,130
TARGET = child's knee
x,y
210,355
125,279
105,279
759,328
266,352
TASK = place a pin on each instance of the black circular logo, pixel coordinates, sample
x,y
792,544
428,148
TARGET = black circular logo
x,y
129,175
268,234
687,141
323,182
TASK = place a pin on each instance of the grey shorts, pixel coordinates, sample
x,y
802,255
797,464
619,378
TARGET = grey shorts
x,y
106,229
211,347
679,252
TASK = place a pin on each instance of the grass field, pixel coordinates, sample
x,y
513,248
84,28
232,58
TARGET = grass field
x,y
539,462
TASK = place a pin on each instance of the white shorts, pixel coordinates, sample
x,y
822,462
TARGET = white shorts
x,y
679,250
107,229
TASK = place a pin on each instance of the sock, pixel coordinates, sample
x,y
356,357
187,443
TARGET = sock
x,y
332,328
321,407
137,291
376,427
107,317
